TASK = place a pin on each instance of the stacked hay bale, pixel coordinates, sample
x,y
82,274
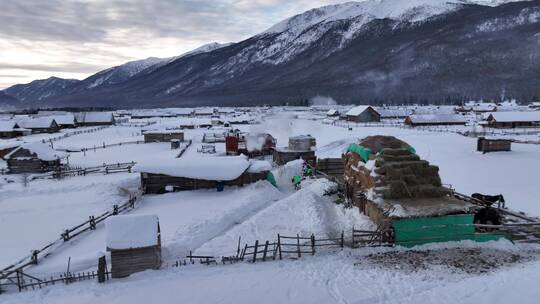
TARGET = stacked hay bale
x,y
402,174
392,170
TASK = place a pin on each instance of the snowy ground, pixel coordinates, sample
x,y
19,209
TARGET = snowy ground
x,y
210,222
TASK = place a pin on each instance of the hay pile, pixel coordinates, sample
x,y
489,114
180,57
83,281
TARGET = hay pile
x,y
398,172
378,142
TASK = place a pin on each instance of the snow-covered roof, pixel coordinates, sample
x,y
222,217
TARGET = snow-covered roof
x,y
42,151
90,117
36,123
332,112
516,116
64,119
438,118
131,231
183,111
358,110
388,113
7,125
204,111
217,168
257,166
163,132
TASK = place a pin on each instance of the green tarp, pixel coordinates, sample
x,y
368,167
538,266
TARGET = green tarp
x,y
271,179
362,151
417,231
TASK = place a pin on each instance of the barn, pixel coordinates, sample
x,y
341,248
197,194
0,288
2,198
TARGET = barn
x,y
39,125
435,120
201,173
134,242
363,114
163,136
92,119
509,120
34,158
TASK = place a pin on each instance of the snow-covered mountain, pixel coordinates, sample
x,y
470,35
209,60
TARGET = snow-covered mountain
x,y
121,73
370,51
40,89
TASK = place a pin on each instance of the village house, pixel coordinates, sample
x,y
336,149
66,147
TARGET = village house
x,y
435,120
508,120
300,147
200,173
363,114
39,125
183,112
394,113
205,112
91,119
134,242
10,129
34,158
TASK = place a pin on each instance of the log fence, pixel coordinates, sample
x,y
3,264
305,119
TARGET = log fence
x,y
67,235
79,171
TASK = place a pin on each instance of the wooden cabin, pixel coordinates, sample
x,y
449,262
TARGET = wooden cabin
x,y
134,242
435,120
363,114
486,145
39,125
163,136
10,129
300,147
200,173
510,120
34,158
332,113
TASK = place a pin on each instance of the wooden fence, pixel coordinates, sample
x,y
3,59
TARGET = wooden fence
x,y
184,149
102,146
66,235
78,171
66,135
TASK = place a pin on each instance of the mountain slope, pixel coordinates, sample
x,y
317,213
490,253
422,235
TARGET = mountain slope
x,y
8,100
375,51
40,89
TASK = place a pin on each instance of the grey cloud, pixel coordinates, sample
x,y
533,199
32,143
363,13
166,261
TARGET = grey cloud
x,y
68,67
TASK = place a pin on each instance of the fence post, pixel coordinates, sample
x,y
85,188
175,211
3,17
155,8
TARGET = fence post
x,y
312,244
298,245
265,250
342,239
65,235
279,245
352,239
115,209
255,251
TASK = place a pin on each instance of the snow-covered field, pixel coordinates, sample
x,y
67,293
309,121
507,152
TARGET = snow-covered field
x,y
210,222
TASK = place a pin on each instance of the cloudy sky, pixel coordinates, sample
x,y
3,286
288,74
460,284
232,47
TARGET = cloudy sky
x,y
74,39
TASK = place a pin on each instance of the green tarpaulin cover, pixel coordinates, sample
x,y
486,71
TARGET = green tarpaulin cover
x,y
362,151
271,179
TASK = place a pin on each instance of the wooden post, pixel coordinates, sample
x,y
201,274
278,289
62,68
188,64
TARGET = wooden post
x,y
342,239
265,250
312,244
352,239
298,245
102,268
238,249
255,250
279,245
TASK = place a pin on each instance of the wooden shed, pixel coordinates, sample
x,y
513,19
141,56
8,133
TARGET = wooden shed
x,y
363,114
493,145
34,158
163,136
201,173
10,129
134,242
